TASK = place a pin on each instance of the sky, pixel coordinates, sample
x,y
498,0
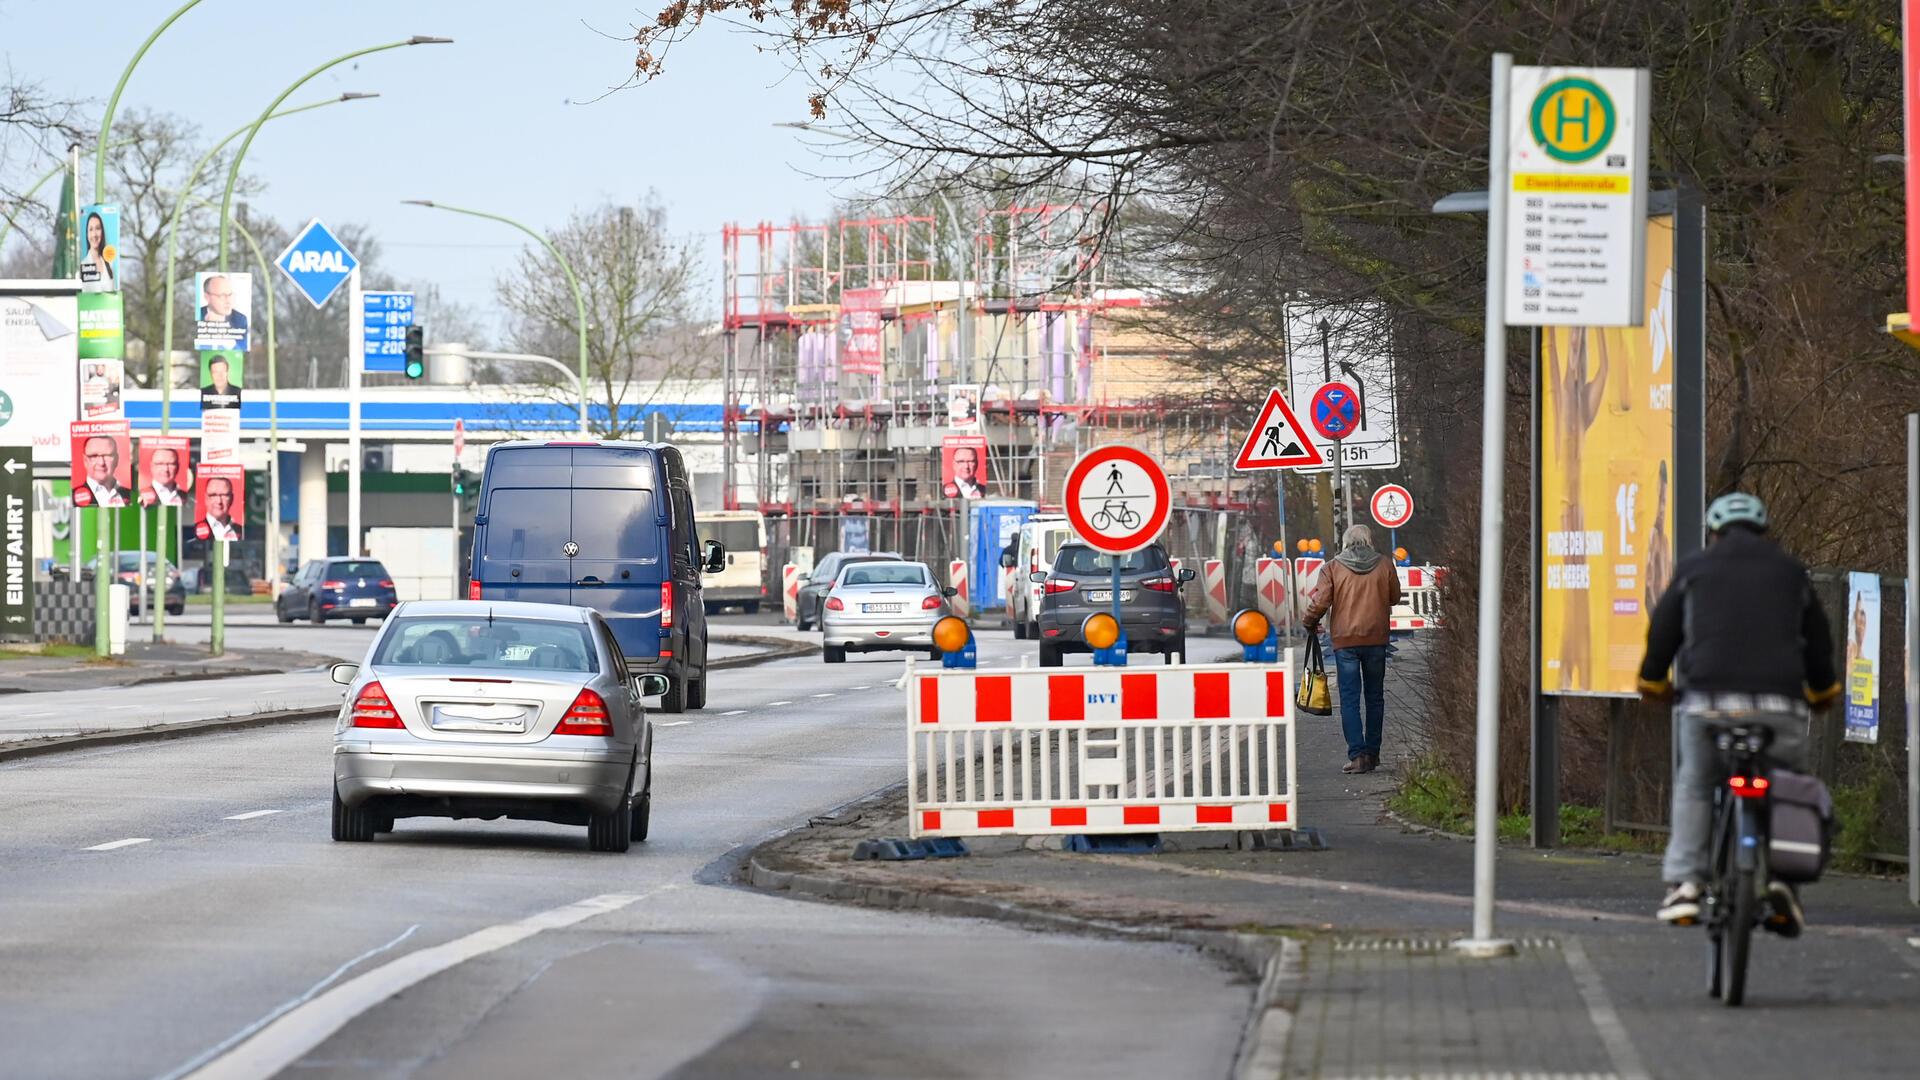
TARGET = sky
x,y
504,120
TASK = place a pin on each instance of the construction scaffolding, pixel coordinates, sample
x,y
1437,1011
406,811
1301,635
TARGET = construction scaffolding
x,y
855,349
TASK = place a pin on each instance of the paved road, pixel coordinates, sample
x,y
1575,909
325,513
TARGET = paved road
x,y
131,959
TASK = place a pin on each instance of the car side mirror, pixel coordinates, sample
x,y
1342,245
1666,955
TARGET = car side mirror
x,y
714,554
1187,575
1037,576
651,685
1006,562
949,592
344,674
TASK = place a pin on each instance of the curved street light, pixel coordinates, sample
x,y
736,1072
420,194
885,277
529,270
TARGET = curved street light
x,y
113,103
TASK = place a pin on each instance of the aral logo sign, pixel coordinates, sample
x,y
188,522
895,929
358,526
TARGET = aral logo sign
x,y
1573,120
317,263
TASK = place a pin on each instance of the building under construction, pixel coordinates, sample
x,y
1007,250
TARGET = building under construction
x,y
857,349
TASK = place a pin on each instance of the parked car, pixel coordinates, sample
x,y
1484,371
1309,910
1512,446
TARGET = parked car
x,y
607,526
1035,547
815,583
877,605
357,589
742,582
1081,583
494,709
127,572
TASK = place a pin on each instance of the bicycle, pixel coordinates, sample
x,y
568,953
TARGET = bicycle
x,y
1736,899
1115,513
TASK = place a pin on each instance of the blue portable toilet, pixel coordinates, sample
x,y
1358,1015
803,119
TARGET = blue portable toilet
x,y
994,523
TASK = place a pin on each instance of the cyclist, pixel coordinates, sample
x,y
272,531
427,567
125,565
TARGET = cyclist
x,y
1744,633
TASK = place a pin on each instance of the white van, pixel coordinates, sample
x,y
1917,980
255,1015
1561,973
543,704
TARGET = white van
x,y
743,583
1040,540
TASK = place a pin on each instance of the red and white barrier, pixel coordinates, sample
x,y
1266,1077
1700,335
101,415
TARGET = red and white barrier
x,y
1213,575
790,592
1306,577
962,601
1006,587
1419,606
1102,750
1270,585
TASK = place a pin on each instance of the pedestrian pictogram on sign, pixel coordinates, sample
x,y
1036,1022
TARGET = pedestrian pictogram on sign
x,y
1392,506
1336,411
1117,498
1277,440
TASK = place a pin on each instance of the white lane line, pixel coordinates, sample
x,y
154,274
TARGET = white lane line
x,y
286,1006
113,845
121,708
1613,1033
672,723
734,712
772,704
859,687
250,815
287,1038
823,695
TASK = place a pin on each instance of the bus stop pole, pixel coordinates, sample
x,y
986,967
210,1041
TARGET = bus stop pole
x,y
1913,671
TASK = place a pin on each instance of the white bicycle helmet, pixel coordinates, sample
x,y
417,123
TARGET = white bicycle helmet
x,y
1736,508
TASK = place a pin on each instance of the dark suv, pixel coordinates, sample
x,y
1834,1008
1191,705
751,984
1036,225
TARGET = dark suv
x,y
357,589
1081,583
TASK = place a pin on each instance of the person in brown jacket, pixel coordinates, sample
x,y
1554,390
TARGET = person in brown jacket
x,y
1360,588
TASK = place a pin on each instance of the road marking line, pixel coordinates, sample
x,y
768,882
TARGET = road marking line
x,y
289,1037
250,815
1613,1033
823,695
121,708
116,844
672,723
859,687
771,704
734,712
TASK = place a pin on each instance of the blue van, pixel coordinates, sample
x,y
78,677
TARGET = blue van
x,y
607,526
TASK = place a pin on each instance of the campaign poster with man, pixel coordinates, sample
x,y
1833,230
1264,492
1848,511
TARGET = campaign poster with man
x,y
963,466
166,470
101,383
222,374
102,463
223,306
963,408
99,243
220,502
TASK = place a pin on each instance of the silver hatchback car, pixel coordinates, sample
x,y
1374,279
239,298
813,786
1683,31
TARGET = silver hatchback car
x,y
876,606
485,709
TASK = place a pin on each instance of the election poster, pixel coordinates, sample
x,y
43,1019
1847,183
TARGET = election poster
x,y
1862,678
1606,488
222,374
860,327
99,242
101,382
103,333
220,435
963,466
223,305
102,469
963,408
220,503
166,470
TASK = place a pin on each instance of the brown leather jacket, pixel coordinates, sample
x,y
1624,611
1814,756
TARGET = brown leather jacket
x,y
1362,604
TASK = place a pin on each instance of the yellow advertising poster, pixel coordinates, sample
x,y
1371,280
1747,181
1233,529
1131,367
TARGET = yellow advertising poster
x,y
1606,492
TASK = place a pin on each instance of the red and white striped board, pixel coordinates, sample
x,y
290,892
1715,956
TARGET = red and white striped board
x,y
1419,606
962,601
1306,576
1213,575
1189,747
1271,587
790,592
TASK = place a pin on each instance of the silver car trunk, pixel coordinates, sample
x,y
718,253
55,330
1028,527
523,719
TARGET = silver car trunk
x,y
440,706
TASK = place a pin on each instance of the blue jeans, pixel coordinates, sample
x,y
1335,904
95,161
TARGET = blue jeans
x,y
1362,672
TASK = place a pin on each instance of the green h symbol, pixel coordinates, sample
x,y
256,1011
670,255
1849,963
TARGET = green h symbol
x,y
1562,118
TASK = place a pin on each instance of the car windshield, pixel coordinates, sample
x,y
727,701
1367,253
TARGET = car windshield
x,y
130,562
357,568
1077,559
481,641
736,535
884,573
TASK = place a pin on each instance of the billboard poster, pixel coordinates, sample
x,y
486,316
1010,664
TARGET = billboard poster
x,y
100,384
1606,493
39,374
222,374
220,435
99,243
223,304
963,408
166,470
860,328
102,469
220,502
103,334
1863,657
963,466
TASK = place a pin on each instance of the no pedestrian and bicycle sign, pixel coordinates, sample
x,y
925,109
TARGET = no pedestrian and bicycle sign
x,y
1277,440
1392,506
317,263
1117,498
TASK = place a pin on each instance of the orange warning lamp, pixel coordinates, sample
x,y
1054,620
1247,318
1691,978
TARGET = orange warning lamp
x,y
1302,545
1100,630
1314,546
950,634
1279,548
1250,627
1399,553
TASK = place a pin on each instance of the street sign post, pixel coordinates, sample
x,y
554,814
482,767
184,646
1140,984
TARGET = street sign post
x,y
16,542
1118,500
1392,506
1277,441
1349,345
384,318
1336,411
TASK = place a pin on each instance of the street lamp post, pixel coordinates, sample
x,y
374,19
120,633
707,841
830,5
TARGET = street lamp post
x,y
113,103
579,298
7,215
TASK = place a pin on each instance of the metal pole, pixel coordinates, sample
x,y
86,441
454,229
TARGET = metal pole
x,y
356,359
113,103
1493,442
1913,670
273,417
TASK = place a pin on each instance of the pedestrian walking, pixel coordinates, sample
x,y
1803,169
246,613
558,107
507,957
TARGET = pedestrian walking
x,y
1359,588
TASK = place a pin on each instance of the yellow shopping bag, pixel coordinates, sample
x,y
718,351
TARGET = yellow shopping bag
x,y
1314,696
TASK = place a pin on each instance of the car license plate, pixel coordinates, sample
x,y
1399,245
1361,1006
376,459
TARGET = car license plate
x,y
366,601
1105,596
496,719
882,609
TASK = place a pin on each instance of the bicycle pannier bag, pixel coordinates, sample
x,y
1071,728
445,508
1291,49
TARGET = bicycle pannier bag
x,y
1314,696
1802,827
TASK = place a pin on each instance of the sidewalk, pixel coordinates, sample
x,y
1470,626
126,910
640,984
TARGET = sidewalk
x,y
144,663
1362,981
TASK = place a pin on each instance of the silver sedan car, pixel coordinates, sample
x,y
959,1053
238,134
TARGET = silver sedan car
x,y
484,709
877,606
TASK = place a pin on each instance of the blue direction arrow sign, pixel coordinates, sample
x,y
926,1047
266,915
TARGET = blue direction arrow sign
x,y
388,314
317,263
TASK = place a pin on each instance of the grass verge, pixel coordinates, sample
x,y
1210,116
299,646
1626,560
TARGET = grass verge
x,y
1436,798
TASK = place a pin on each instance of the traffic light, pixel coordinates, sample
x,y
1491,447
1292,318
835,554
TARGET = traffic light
x,y
459,479
466,488
416,351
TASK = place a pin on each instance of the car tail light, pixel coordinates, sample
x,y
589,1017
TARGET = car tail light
x,y
931,603
1159,584
473,590
834,604
1054,585
1749,788
372,709
666,605
586,716
386,583
333,584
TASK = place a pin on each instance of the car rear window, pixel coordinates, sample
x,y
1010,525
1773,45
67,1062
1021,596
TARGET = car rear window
x,y
1050,542
358,568
527,523
884,573
482,641
737,535
1077,559
611,523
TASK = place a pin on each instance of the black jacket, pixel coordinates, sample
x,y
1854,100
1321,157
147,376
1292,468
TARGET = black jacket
x,y
1741,617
